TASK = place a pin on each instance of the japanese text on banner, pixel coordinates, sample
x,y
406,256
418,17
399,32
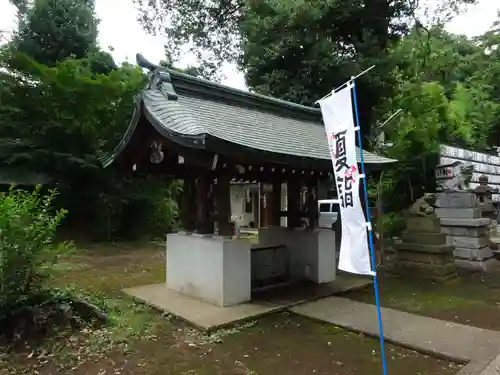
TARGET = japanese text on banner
x,y
345,174
340,129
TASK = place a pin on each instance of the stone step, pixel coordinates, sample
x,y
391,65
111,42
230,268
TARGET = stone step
x,y
458,213
424,238
423,224
495,239
484,253
421,248
468,242
427,258
487,265
466,231
471,223
425,270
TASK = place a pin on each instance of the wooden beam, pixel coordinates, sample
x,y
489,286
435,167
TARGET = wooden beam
x,y
312,204
204,205
223,205
268,176
188,204
276,204
293,197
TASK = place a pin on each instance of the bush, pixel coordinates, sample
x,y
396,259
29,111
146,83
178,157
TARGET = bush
x,y
394,224
28,251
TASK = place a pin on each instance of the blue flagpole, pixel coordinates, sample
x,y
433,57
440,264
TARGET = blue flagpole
x,y
370,232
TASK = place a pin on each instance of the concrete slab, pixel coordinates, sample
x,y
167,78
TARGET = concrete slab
x,y
475,368
493,368
209,317
435,337
201,314
297,293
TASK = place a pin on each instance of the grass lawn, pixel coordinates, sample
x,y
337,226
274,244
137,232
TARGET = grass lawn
x,y
473,298
141,341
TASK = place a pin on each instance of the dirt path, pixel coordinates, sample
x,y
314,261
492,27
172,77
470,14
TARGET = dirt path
x,y
277,345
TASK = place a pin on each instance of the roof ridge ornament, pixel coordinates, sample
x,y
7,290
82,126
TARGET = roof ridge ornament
x,y
144,63
159,78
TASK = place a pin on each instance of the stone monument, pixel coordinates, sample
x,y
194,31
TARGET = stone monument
x,y
423,252
462,221
453,177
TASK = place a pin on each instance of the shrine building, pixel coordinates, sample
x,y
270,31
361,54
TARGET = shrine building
x,y
214,138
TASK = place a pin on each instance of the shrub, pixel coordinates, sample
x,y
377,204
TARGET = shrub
x,y
28,250
394,224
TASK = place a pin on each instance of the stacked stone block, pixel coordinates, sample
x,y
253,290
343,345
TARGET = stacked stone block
x,y
466,230
423,252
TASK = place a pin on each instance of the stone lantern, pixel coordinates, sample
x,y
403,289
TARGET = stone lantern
x,y
484,196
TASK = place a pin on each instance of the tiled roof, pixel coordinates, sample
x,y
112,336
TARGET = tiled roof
x,y
242,122
193,108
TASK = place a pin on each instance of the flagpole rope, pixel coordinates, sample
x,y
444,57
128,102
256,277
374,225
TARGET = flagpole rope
x,y
370,232
345,84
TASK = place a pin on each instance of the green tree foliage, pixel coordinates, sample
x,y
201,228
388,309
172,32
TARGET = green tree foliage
x,y
72,114
296,50
488,74
217,30
61,121
446,96
64,104
52,30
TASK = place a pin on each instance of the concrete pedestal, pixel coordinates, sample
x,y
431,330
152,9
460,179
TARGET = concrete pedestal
x,y
312,252
213,269
466,230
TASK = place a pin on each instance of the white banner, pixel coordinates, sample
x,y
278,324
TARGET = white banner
x,y
337,114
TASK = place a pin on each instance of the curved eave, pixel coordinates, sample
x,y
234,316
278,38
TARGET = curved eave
x,y
211,143
196,141
191,141
108,160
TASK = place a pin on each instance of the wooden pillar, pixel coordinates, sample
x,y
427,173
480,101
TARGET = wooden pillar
x,y
204,205
255,206
275,214
264,206
188,204
312,204
293,198
223,206
260,193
